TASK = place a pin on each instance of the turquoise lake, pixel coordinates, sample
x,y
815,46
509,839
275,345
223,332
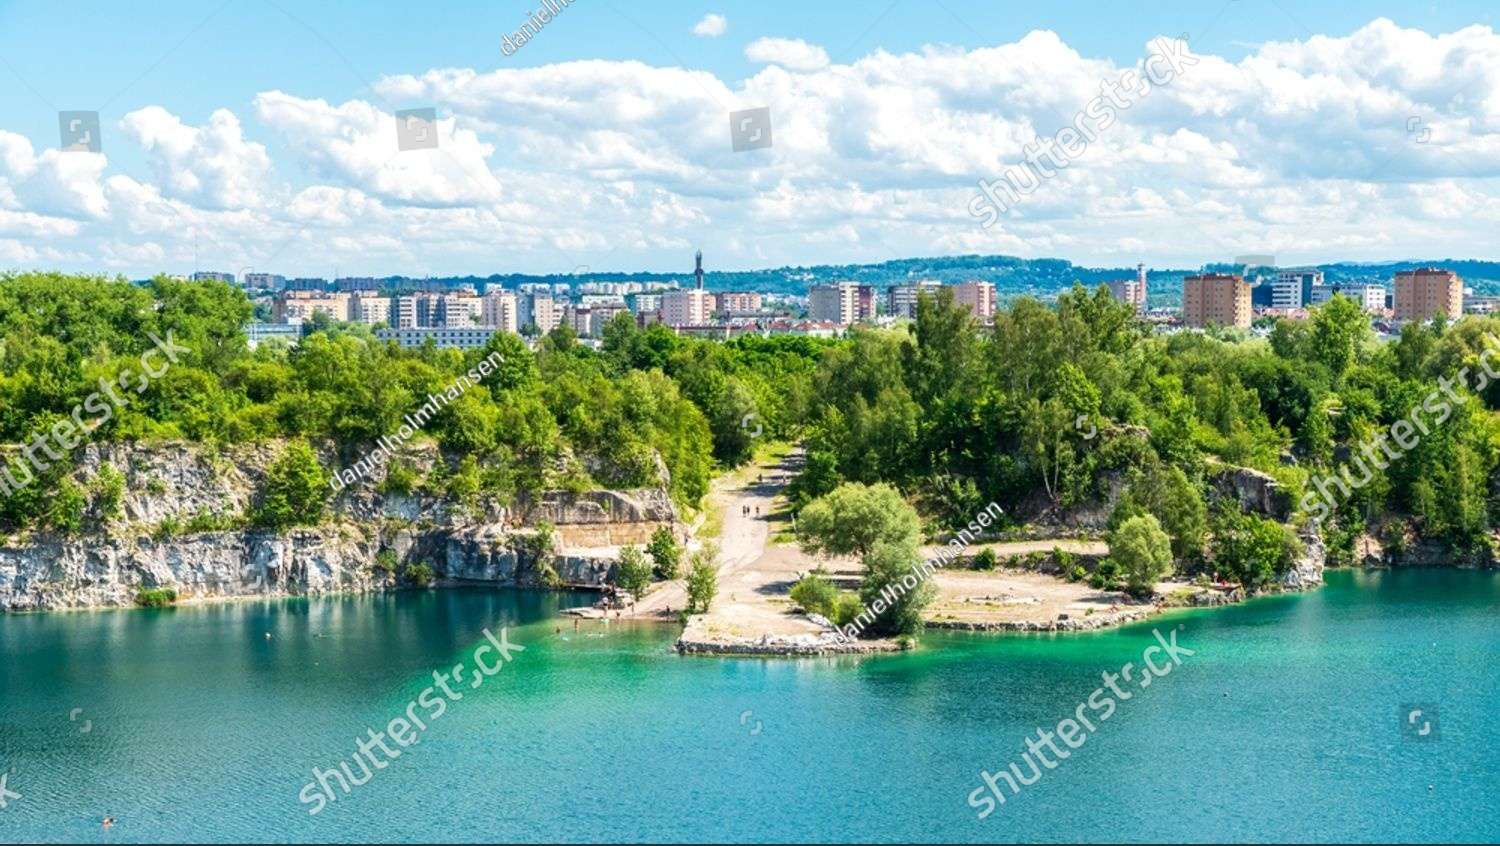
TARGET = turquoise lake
x,y
1290,722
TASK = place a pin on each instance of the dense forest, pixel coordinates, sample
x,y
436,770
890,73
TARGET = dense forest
x,y
1056,406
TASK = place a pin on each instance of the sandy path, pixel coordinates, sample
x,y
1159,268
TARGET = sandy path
x,y
748,576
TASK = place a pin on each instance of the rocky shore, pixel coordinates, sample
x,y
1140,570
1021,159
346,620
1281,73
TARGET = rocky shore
x,y
367,542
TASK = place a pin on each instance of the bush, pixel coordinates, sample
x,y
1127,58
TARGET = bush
x,y
419,575
385,561
66,509
816,594
212,521
401,478
156,597
169,527
109,493
846,607
985,560
1106,575
296,490
1077,573
665,553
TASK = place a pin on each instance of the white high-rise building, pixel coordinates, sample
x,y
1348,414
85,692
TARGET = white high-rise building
x,y
498,308
1293,289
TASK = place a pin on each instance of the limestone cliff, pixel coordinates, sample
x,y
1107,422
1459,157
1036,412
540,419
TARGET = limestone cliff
x,y
367,539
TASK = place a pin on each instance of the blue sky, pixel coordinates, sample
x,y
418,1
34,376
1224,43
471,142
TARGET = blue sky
x,y
623,188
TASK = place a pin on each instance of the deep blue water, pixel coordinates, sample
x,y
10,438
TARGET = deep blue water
x,y
1287,724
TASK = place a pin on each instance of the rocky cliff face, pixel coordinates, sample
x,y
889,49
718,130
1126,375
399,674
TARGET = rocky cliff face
x,y
368,539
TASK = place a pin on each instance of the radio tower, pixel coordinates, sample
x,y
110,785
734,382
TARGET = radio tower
x,y
698,273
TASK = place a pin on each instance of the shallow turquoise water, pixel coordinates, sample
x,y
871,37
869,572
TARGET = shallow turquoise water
x,y
1285,725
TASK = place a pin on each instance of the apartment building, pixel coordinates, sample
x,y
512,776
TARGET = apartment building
x,y
499,308
370,307
836,303
1293,289
464,339
264,281
1221,299
689,307
978,297
539,310
1425,293
1370,297
739,303
302,305
901,300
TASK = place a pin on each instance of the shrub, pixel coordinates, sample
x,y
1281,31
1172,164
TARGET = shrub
x,y
156,597
168,527
1077,573
401,478
66,509
419,575
1105,575
816,594
296,490
846,607
109,492
385,561
212,521
985,560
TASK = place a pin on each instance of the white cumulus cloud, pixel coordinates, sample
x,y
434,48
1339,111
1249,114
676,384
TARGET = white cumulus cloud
x,y
711,26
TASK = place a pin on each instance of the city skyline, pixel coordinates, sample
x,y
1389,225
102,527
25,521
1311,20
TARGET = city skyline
x,y
1314,135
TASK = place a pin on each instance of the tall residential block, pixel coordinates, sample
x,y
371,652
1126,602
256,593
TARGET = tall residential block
x,y
1426,293
901,300
978,297
686,308
498,309
836,303
1221,299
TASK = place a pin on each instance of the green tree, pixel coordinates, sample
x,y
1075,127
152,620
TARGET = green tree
x,y
1143,553
702,582
296,490
854,517
1339,328
887,585
665,553
1250,549
634,572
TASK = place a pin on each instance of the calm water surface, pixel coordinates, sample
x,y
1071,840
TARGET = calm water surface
x,y
1286,725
